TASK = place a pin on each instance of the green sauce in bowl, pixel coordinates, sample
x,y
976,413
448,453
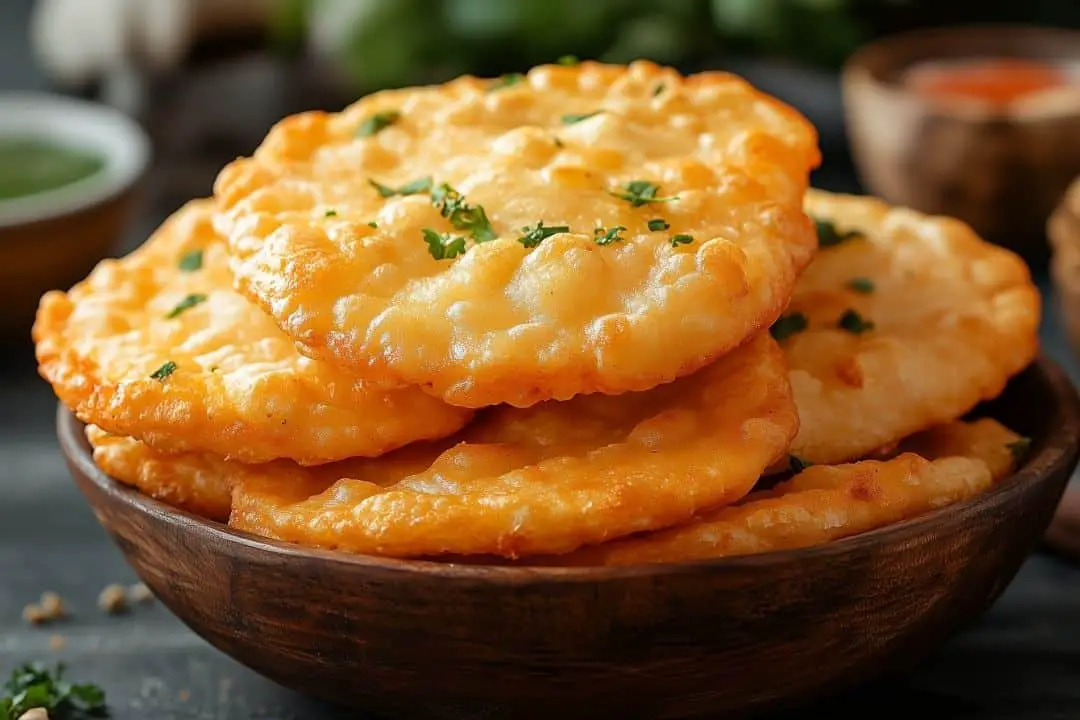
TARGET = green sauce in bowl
x,y
31,165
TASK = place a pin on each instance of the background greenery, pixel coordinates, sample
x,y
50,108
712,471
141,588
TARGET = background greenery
x,y
384,43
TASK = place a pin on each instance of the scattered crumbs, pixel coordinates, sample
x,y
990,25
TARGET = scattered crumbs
x,y
38,713
140,593
183,696
113,599
57,642
49,608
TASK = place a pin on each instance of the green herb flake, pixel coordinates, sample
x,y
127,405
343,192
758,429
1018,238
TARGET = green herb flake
x,y
374,225
681,239
1019,449
854,323
330,213
788,325
186,304
164,371
559,143
609,236
641,192
415,187
33,685
861,285
829,236
463,216
535,235
574,118
445,246
568,60
377,123
658,224
505,81
658,89
191,260
796,464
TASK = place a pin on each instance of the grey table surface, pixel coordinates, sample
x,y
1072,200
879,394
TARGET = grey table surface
x,y
1022,660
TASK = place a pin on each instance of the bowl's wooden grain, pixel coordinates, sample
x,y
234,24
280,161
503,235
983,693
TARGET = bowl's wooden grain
x,y
1000,173
434,640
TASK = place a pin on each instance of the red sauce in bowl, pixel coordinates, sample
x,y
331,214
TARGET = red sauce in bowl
x,y
995,81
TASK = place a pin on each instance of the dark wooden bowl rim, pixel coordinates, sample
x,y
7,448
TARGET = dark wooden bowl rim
x,y
883,59
1048,453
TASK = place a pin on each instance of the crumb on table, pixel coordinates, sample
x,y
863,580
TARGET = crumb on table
x,y
113,599
49,608
140,593
57,642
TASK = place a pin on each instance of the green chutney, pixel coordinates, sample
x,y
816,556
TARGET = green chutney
x,y
30,165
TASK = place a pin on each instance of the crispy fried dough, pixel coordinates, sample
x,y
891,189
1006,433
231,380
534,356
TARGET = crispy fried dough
x,y
543,479
347,271
237,386
825,503
953,319
199,489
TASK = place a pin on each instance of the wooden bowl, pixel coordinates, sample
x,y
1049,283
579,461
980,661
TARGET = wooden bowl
x,y
425,639
52,239
1000,172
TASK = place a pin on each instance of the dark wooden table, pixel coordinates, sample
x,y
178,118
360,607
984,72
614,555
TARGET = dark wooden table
x,y
1020,661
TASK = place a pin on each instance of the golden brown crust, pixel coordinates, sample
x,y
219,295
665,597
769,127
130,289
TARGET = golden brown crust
x,y
954,318
548,478
825,503
240,388
503,323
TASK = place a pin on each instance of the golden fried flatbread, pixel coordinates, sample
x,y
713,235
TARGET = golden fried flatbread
x,y
198,489
585,229
825,503
902,322
545,479
158,346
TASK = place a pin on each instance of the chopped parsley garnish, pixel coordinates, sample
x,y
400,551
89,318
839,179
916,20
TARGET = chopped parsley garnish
x,y
535,235
330,213
373,225
788,325
855,323
658,224
415,187
796,464
681,239
33,685
377,123
505,81
445,246
574,118
559,143
1019,449
609,236
641,192
658,89
861,285
829,236
186,304
164,371
463,216
191,260
568,60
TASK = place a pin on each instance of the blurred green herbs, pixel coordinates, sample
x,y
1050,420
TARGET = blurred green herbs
x,y
36,686
386,43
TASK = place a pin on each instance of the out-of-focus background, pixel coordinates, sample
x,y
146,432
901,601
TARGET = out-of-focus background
x,y
171,90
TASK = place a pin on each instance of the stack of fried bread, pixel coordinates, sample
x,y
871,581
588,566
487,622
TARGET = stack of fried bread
x,y
592,314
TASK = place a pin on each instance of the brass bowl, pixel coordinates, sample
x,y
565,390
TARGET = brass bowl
x,y
1002,172
51,239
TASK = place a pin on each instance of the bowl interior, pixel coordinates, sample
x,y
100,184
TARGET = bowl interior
x,y
1040,403
122,144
